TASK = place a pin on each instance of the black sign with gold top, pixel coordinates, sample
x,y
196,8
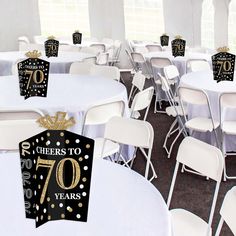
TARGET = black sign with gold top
x,y
33,75
77,37
56,172
51,47
178,46
164,40
223,64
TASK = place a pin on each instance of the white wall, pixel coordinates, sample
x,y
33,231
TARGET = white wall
x,y
18,17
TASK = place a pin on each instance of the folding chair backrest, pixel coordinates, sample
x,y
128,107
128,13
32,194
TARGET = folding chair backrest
x,y
16,126
137,57
129,131
193,96
80,68
197,65
201,157
101,114
142,99
160,62
228,209
139,80
110,72
171,72
154,48
102,58
140,49
228,100
89,50
107,41
99,47
90,60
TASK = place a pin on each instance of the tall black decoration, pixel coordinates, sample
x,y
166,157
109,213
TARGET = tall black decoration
x,y
33,75
51,47
223,64
56,172
164,40
77,37
178,46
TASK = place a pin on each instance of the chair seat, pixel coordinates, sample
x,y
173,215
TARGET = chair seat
x,y
170,111
135,114
110,148
201,124
185,223
229,127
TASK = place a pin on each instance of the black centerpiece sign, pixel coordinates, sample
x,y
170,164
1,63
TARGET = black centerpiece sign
x,y
77,37
33,75
56,172
223,64
164,40
178,46
51,47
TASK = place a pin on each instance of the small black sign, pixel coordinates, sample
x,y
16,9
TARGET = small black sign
x,y
77,38
178,47
51,48
56,172
223,64
164,40
33,77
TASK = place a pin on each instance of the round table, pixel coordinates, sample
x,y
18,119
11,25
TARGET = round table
x,y
60,64
179,62
71,93
122,202
204,80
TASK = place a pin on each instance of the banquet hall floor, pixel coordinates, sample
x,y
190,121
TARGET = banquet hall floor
x,y
191,192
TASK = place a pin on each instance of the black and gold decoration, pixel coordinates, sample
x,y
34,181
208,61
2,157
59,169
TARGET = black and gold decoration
x,y
164,40
33,75
56,171
178,46
223,64
51,47
77,37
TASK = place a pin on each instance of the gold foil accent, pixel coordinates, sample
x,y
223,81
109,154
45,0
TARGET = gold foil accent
x,y
51,37
178,37
223,49
164,34
76,31
57,122
33,54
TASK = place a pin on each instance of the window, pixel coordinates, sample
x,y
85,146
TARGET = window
x,y
232,29
63,17
207,24
144,19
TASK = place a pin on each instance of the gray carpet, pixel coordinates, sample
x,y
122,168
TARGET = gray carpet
x,y
192,192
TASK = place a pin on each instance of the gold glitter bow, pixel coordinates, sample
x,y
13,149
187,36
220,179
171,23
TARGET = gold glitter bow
x,y
33,54
57,122
178,37
223,49
51,37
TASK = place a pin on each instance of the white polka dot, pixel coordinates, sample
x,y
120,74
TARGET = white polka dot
x,y
78,216
48,142
41,177
61,205
44,210
85,168
81,186
84,194
58,143
35,193
86,156
37,140
77,140
37,207
37,219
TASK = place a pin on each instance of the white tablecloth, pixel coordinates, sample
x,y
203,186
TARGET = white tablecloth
x,y
204,80
71,93
60,64
180,62
121,203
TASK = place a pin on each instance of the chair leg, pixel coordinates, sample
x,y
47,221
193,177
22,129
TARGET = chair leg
x,y
172,145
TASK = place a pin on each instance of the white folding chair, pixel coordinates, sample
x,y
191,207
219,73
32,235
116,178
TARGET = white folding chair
x,y
194,65
141,101
175,111
102,58
110,72
228,212
22,41
140,49
133,132
207,160
80,68
227,126
115,52
108,41
90,60
89,50
157,65
154,48
16,125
